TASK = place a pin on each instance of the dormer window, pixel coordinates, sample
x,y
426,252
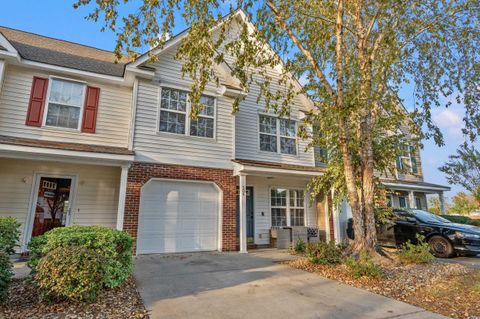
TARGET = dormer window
x,y
277,135
174,114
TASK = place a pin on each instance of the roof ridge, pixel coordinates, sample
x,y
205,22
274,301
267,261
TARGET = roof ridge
x,y
57,39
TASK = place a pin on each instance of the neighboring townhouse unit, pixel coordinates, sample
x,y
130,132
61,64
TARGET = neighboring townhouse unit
x,y
65,118
87,141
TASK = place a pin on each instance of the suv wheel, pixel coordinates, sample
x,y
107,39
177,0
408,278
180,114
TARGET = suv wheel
x,y
440,246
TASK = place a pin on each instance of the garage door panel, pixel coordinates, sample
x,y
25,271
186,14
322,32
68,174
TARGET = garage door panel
x,y
178,217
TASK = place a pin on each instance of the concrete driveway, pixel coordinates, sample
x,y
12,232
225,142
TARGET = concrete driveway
x,y
468,261
231,285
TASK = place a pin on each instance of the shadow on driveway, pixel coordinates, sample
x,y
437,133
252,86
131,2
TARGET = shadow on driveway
x,y
231,285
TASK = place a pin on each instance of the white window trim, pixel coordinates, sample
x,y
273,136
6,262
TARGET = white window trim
x,y
47,102
277,134
287,207
407,158
187,112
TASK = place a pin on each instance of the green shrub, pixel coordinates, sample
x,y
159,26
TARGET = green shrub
x,y
71,272
5,276
420,253
300,246
363,266
324,253
475,222
9,234
113,245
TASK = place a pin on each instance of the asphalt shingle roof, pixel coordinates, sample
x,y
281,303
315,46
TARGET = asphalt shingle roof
x,y
63,53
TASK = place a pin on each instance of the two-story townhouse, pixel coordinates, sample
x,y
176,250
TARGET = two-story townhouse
x,y
182,188
65,118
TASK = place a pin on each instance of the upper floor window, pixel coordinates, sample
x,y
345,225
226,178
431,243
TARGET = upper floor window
x,y
407,162
174,114
287,207
65,103
277,135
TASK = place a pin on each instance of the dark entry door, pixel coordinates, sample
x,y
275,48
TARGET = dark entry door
x,y
250,221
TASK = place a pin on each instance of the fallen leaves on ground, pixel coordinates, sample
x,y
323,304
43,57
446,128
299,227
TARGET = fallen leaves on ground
x,y
121,302
449,289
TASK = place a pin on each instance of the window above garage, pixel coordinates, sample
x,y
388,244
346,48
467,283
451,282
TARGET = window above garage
x,y
175,109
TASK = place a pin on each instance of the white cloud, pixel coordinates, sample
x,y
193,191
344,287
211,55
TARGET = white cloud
x,y
449,121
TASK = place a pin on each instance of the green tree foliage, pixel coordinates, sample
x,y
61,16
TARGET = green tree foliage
x,y
463,204
434,206
463,169
354,57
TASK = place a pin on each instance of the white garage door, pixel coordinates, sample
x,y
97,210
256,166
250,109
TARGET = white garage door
x,y
178,217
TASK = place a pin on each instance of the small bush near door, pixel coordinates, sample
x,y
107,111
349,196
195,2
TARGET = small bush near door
x,y
115,247
9,235
71,272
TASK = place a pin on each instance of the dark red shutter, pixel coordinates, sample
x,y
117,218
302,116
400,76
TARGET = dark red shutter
x,y
91,109
37,101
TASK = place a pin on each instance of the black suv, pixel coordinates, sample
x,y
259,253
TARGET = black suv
x,y
445,238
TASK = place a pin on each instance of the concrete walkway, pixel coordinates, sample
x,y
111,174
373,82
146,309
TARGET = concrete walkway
x,y
231,285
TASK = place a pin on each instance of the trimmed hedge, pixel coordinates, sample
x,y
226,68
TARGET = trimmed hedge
x,y
114,246
71,272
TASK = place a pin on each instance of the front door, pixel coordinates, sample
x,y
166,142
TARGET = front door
x,y
250,218
52,205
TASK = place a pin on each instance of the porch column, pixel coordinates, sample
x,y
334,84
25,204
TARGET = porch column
x,y
243,212
411,200
442,202
122,192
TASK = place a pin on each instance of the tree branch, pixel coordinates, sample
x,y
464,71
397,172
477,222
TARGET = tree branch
x,y
429,25
305,51
324,19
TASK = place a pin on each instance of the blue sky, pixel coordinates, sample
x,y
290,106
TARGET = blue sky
x,y
57,19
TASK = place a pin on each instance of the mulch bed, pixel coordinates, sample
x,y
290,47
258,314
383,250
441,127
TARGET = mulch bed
x,y
121,302
449,289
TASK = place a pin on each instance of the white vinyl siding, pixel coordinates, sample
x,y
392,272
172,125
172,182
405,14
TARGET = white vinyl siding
x,y
113,118
262,203
95,200
151,145
247,132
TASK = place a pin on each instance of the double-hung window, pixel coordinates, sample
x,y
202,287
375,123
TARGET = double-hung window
x,y
65,103
174,114
205,122
277,135
287,207
407,162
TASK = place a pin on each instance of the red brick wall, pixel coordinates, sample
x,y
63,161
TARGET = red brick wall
x,y
140,173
